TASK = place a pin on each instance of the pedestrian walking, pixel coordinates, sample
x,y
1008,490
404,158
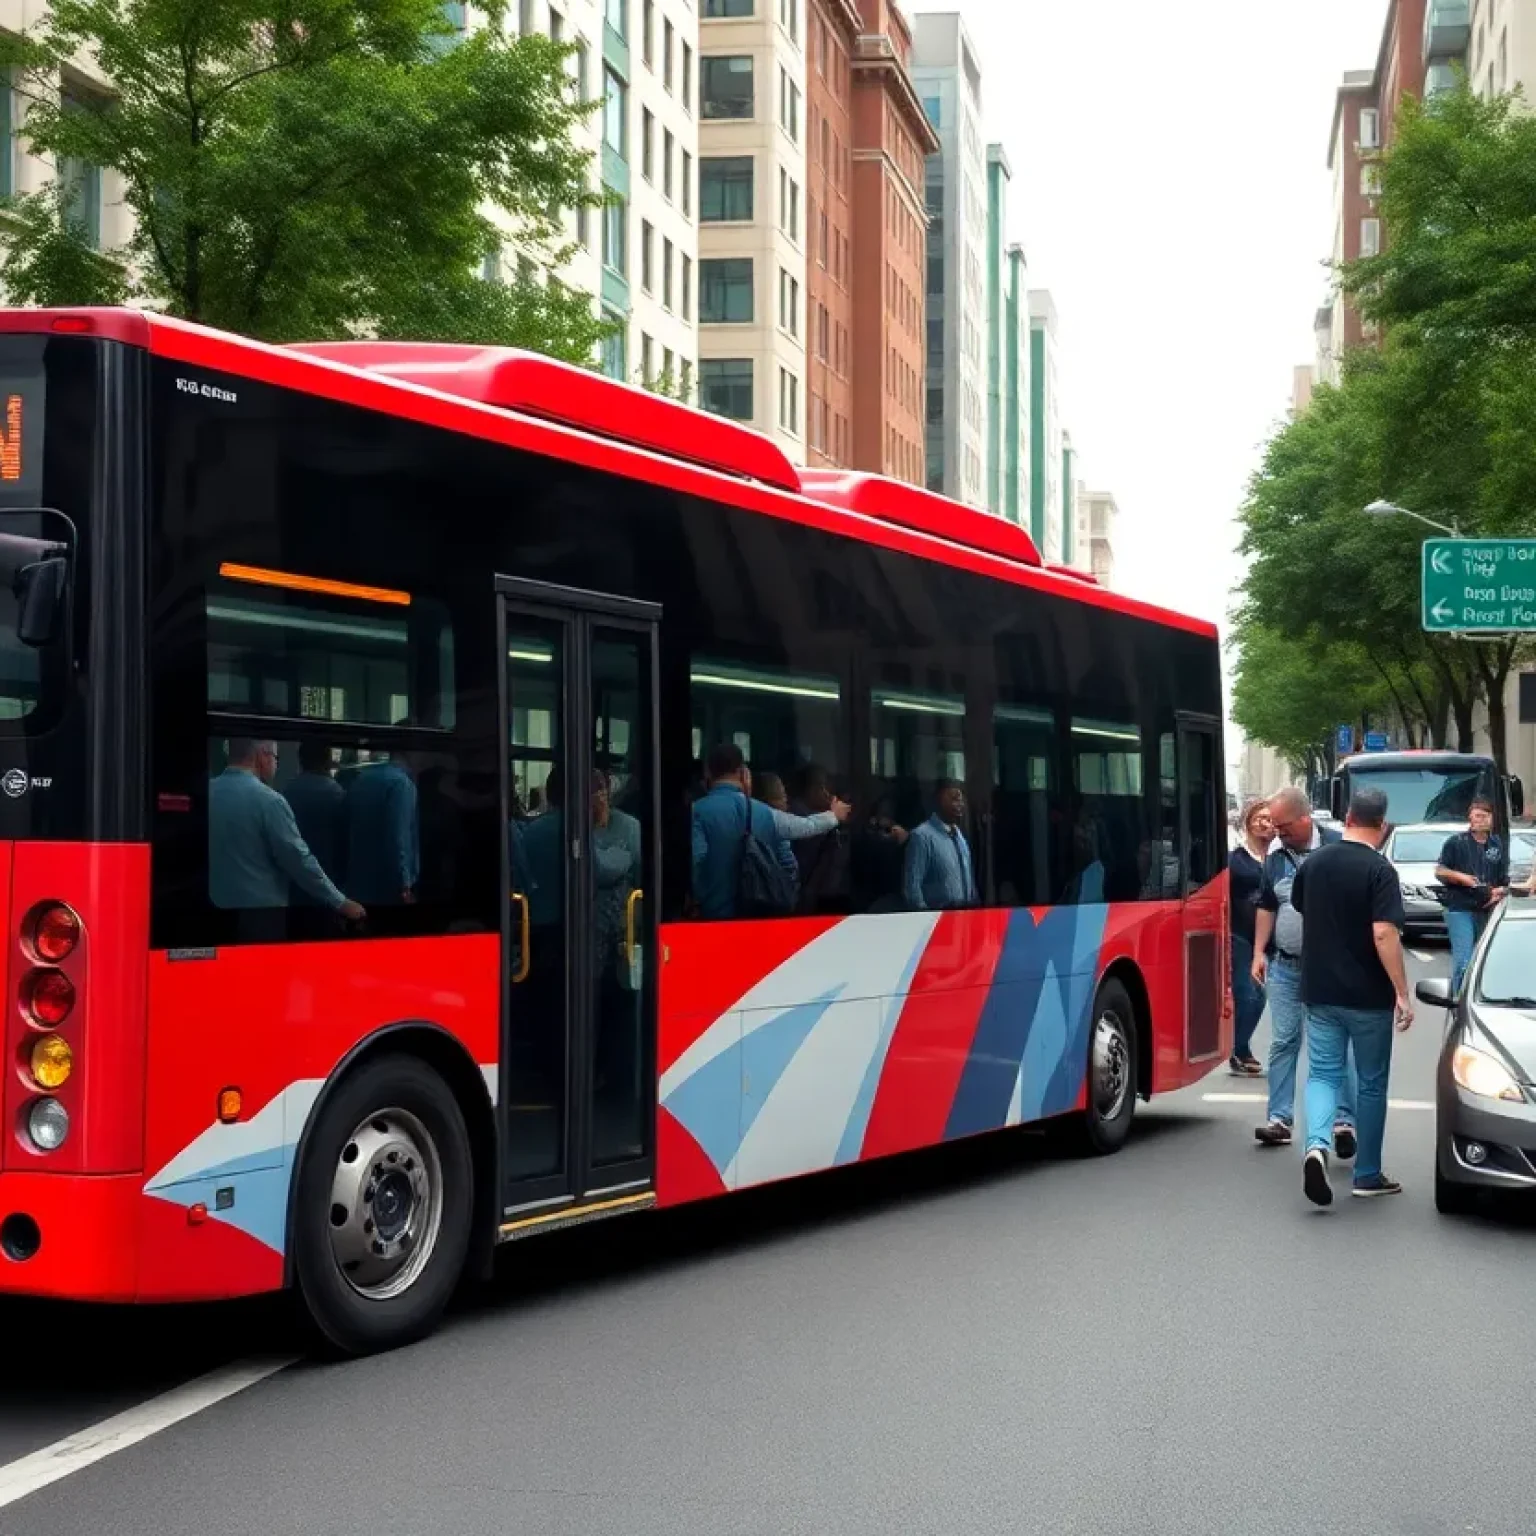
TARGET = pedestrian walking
x,y
1356,990
1277,955
1245,880
1474,871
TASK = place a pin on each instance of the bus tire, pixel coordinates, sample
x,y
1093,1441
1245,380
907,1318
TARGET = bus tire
x,y
381,1222
1103,1126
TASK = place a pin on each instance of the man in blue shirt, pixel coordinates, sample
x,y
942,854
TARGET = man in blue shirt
x,y
720,823
1277,945
383,841
939,873
256,857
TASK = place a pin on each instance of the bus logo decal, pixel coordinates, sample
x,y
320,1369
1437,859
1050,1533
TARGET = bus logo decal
x,y
15,783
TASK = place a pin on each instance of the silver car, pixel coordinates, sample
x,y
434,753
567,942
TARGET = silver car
x,y
1485,1095
1414,852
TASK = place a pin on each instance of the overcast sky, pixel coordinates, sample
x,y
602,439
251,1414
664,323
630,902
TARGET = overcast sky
x,y
1170,187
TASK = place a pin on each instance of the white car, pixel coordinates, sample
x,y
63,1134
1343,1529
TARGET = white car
x,y
1415,853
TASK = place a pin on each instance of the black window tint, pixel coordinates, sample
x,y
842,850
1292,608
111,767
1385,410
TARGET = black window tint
x,y
1205,852
381,659
917,740
1024,790
1113,854
781,720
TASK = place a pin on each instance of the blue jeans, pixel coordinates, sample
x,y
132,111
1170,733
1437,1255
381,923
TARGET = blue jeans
x,y
1464,930
1247,997
1333,1032
1287,1020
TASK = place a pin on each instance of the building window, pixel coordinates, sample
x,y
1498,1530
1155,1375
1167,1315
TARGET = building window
x,y
789,17
648,31
666,274
789,204
614,102
789,303
1370,237
1370,128
556,25
725,189
617,15
687,284
821,255
647,255
823,331
525,17
613,238
725,386
81,185
647,144
8,125
579,62
685,377
725,291
646,359
726,83
789,105
726,10
1370,180
687,182
666,165
666,54
789,401
932,111
687,78
614,359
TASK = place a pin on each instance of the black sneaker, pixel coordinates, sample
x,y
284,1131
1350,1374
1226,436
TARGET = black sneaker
x,y
1344,1141
1314,1178
1368,1189
1277,1133
1245,1066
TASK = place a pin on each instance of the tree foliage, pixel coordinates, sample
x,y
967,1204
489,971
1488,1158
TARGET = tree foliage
x,y
308,168
1440,417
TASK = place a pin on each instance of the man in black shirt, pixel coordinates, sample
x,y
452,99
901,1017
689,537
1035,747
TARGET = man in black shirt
x,y
1355,988
1474,869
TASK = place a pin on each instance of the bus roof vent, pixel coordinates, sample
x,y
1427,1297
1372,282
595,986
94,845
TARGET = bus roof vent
x,y
533,385
895,501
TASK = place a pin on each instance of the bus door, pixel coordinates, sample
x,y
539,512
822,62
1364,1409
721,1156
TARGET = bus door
x,y
579,795
1202,860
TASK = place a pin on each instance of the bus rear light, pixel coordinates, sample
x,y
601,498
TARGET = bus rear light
x,y
47,1125
54,932
52,1062
48,996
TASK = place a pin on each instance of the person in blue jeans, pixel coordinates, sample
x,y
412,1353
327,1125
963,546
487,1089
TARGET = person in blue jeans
x,y
1245,880
1277,962
1474,869
1356,990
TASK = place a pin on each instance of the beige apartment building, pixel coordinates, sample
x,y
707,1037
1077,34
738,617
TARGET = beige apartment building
x,y
752,206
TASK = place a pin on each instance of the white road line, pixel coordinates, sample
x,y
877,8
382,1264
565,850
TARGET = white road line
x,y
1421,957
1263,1098
77,1451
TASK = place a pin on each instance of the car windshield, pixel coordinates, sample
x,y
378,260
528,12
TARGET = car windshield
x,y
1418,847
1509,965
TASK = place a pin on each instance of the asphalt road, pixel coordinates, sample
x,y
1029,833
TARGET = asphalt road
x,y
989,1339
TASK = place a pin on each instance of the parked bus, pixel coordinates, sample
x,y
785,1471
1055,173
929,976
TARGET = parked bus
x,y
1430,786
306,656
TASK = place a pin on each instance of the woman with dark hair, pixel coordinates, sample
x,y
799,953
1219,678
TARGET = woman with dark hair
x,y
1245,878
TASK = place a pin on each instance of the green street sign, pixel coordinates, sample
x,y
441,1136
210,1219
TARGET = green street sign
x,y
1479,585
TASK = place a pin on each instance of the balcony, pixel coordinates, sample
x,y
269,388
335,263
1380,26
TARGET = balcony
x,y
1447,30
1439,79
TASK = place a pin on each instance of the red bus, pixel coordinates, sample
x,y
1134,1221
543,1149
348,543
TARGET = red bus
x,y
305,656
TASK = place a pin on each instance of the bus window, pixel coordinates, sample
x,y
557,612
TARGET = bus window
x,y
1113,854
1023,789
327,651
916,740
781,720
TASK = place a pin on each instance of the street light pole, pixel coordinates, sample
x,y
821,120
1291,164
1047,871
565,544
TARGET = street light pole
x,y
1391,509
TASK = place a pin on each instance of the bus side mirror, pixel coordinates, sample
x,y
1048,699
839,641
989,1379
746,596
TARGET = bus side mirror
x,y
1516,797
1336,796
39,590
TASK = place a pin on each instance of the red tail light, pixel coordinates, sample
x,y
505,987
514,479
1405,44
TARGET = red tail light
x,y
48,997
55,931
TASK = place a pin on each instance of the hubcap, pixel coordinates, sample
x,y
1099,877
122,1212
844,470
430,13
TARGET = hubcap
x,y
1111,1067
386,1204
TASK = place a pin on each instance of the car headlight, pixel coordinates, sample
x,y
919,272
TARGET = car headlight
x,y
1484,1075
1415,892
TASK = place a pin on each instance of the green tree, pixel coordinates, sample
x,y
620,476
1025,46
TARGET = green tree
x,y
308,168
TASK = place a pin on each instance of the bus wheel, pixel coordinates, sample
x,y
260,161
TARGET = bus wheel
x,y
385,1202
1103,1127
